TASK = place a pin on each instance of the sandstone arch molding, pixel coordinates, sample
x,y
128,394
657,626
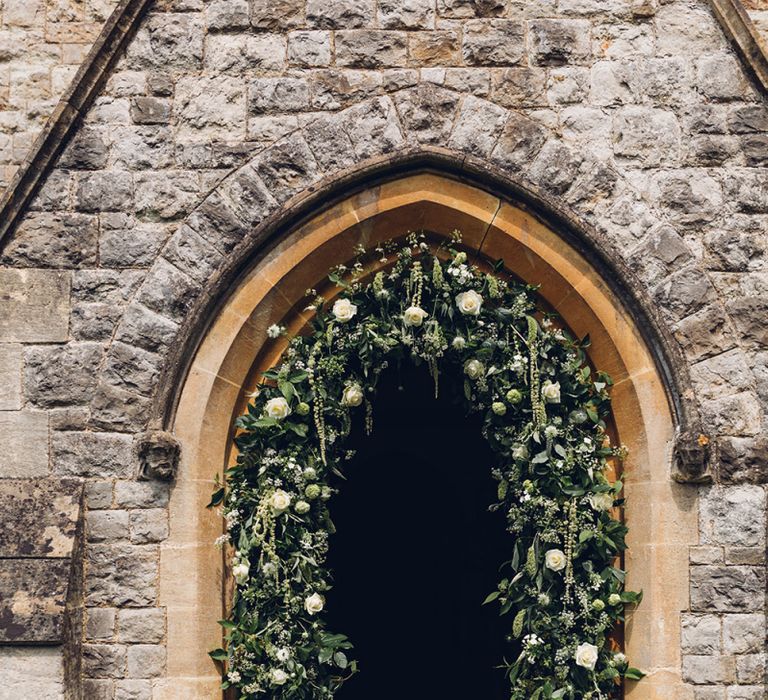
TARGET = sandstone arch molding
x,y
235,348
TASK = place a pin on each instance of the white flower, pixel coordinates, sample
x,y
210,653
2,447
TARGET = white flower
x,y
459,342
614,599
352,396
520,452
619,659
280,501
473,369
221,540
414,316
314,604
555,559
344,310
469,302
277,408
274,331
601,501
283,654
233,677
278,676
586,656
240,571
551,432
551,391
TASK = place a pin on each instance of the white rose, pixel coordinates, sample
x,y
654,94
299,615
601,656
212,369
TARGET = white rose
x,y
352,396
555,559
551,391
586,656
277,408
283,654
278,676
469,302
473,368
619,659
414,316
314,604
601,501
240,571
520,452
344,310
280,501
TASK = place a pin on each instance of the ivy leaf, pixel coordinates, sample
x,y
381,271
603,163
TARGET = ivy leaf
x,y
287,390
218,655
217,497
634,674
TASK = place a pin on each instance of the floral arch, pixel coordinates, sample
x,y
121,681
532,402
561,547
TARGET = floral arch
x,y
233,353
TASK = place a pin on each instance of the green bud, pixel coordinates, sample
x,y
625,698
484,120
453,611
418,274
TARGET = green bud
x,y
303,408
302,507
514,396
461,258
598,605
312,492
614,599
517,625
530,562
498,408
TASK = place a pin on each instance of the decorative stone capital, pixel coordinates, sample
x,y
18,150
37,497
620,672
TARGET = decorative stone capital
x,y
158,455
693,457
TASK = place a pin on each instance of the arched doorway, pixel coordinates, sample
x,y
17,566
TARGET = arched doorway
x,y
233,352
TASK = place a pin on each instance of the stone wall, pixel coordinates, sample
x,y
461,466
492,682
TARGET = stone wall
x,y
634,115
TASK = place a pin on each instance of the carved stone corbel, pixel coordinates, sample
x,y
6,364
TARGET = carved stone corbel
x,y
694,457
158,456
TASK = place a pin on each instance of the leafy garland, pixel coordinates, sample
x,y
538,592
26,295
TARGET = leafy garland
x,y
543,416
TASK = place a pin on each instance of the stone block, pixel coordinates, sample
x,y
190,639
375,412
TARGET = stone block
x,y
131,689
744,634
440,48
149,525
371,48
106,525
520,87
708,670
166,195
23,444
141,494
104,191
684,292
277,14
748,190
726,588
146,147
478,127
743,460
32,672
192,254
10,377
703,554
690,198
210,107
740,245
94,322
462,9
520,141
250,201
32,600
88,150
150,110
146,328
266,95
121,575
700,634
340,14
749,119
737,415
555,167
104,660
746,314
168,291
406,14
750,669
373,126
704,333
720,77
427,112
646,136
90,454
224,15
100,624
168,40
98,689
493,42
34,306
309,48
114,408
141,625
146,661
568,85
287,168
61,375
330,143
752,556
555,42
744,692
334,89
721,375
105,286
98,494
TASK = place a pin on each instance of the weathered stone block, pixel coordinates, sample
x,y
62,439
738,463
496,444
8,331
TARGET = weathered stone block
x,y
721,375
142,148
250,200
104,191
744,634
428,112
555,167
567,85
309,48
106,525
10,377
330,143
145,328
277,14
168,40
751,669
104,660
750,119
747,314
98,494
493,42
440,48
150,110
192,254
743,460
168,291
98,689
34,306
690,198
100,455
146,661
700,634
733,516
373,126
141,625
166,195
406,14
61,375
228,14
726,588
520,87
748,189
720,77
555,42
278,95
105,286
287,168
708,670
520,141
240,54
141,494
461,9
334,89
23,444
364,48
705,333
210,107
100,624
340,14
126,243
88,150
131,689
150,525
739,415
650,137
117,409
53,240
94,321
121,575
478,127
37,670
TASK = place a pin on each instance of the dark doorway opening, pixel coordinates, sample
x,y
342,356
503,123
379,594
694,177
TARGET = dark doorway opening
x,y
417,550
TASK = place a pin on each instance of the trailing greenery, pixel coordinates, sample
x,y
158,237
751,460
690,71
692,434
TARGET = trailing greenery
x,y
544,412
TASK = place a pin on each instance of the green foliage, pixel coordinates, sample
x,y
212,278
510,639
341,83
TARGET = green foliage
x,y
561,584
